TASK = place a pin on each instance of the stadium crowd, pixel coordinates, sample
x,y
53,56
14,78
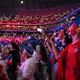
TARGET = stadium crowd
x,y
41,56
36,19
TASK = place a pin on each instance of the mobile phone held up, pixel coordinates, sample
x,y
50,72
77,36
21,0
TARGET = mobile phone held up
x,y
39,30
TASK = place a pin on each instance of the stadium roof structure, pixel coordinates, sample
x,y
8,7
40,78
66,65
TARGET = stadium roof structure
x,y
34,4
15,6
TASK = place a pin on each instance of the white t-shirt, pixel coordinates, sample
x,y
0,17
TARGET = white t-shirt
x,y
28,67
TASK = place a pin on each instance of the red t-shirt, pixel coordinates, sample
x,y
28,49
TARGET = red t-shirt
x,y
71,54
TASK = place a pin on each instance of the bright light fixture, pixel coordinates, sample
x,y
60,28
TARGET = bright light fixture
x,y
22,2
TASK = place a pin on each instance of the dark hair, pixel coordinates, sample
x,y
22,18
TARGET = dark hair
x,y
15,46
68,40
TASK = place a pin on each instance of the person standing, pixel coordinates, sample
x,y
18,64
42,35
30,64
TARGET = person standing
x,y
71,54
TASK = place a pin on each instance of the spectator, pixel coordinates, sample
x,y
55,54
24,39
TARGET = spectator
x,y
70,54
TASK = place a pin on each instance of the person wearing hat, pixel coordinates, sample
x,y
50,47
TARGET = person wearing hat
x,y
29,65
71,54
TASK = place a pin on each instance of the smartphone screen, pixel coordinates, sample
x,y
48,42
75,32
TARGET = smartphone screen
x,y
39,30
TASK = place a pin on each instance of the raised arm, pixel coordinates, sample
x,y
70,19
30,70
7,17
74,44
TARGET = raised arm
x,y
54,49
49,47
